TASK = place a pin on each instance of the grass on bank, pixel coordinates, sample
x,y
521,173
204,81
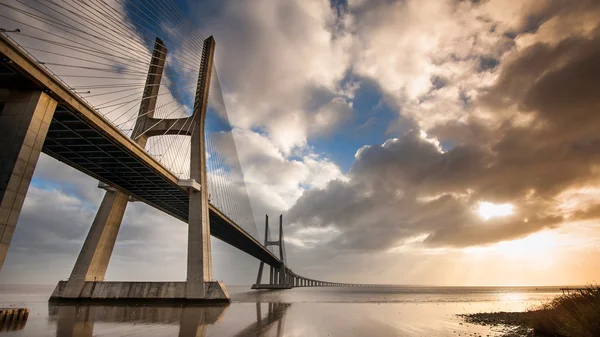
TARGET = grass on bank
x,y
575,314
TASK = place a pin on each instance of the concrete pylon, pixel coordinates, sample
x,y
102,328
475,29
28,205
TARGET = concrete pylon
x,y
24,122
282,256
200,284
97,249
279,277
261,265
151,90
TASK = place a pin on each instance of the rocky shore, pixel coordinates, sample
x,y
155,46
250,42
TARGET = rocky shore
x,y
512,324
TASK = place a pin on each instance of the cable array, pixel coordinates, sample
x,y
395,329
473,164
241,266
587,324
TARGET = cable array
x,y
226,183
102,51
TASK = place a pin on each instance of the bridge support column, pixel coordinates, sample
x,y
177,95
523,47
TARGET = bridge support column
x,y
95,254
24,123
282,276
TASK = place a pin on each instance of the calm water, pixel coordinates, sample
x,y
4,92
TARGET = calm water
x,y
400,311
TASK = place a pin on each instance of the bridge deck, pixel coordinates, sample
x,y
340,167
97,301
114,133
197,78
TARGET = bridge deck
x,y
83,139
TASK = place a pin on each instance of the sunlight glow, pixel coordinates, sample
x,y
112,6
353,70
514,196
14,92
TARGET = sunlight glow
x,y
534,251
488,210
431,140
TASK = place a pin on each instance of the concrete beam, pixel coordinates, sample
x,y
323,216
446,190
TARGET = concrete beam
x,y
190,184
24,123
151,90
171,126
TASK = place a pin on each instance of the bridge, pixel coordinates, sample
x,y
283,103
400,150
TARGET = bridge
x,y
98,47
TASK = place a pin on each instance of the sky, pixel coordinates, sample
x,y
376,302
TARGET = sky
x,y
434,142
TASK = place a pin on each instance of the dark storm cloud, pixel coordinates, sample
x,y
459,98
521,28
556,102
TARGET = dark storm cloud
x,y
558,83
408,188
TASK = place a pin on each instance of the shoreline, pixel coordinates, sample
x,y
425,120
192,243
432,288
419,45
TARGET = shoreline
x,y
574,313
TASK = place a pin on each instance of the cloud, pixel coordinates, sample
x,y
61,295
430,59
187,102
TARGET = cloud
x,y
271,180
527,138
274,56
556,83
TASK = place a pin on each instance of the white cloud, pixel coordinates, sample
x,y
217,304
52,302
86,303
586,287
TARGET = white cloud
x,y
273,56
272,177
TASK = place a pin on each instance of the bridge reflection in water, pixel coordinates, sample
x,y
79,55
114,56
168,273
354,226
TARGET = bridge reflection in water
x,y
79,320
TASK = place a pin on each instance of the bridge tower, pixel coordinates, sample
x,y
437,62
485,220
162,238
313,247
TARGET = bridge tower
x,y
90,268
279,276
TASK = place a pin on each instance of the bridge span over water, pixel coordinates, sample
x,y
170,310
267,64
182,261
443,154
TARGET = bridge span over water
x,y
42,113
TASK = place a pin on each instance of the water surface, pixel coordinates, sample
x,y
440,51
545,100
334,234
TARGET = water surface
x,y
385,311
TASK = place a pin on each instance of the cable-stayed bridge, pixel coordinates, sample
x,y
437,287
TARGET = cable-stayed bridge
x,y
128,93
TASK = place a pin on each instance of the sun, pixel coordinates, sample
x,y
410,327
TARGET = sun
x,y
488,210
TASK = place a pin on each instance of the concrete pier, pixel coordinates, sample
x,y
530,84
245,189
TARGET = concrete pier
x,y
24,122
153,292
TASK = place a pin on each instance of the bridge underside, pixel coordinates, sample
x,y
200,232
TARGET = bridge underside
x,y
78,144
